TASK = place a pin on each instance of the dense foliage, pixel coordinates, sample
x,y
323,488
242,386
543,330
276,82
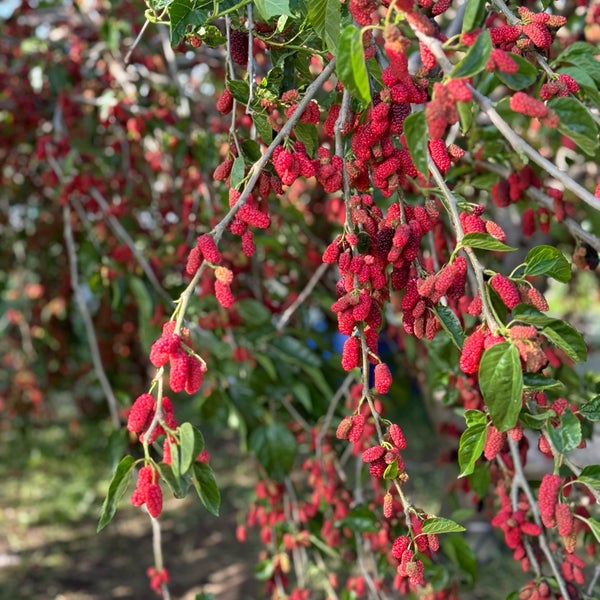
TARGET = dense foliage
x,y
300,219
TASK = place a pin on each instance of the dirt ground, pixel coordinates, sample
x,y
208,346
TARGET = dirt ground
x,y
55,562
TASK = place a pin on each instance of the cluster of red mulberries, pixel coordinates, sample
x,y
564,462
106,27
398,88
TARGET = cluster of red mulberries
x,y
515,523
186,369
562,86
147,491
441,110
205,249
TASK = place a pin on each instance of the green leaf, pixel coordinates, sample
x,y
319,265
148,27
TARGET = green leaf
x,y
535,421
211,36
538,381
116,489
206,487
351,67
253,312
480,480
439,525
458,550
501,383
391,471
415,131
470,447
567,436
576,49
590,476
192,443
566,338
485,241
465,113
275,448
576,123
593,525
523,78
176,464
308,134
171,476
588,63
474,15
237,171
239,90
184,14
360,519
548,260
475,417
263,128
451,325
591,410
296,350
561,334
273,8
476,58
252,150
324,16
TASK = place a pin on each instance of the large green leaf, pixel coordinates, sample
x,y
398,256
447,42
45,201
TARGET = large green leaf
x,y
470,447
415,131
474,15
476,58
273,8
439,525
192,443
576,123
501,383
116,489
275,449
351,67
548,260
324,16
183,14
485,241
590,476
451,325
206,487
524,77
591,410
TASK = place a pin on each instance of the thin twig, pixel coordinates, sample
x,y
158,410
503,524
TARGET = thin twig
x,y
137,40
111,400
158,554
302,296
521,480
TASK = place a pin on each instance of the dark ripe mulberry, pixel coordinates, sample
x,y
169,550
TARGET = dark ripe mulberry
x,y
399,111
238,46
384,240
